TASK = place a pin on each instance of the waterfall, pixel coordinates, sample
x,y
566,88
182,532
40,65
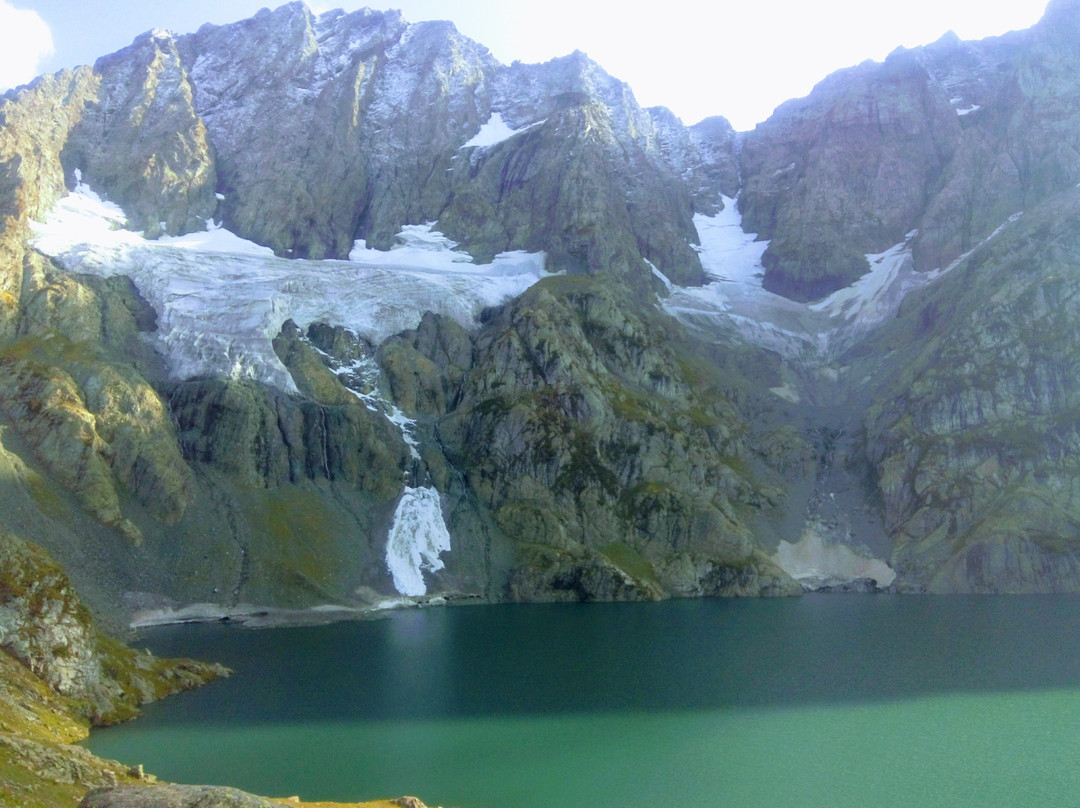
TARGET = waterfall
x,y
417,536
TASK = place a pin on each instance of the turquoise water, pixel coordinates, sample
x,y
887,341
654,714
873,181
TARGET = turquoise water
x,y
820,701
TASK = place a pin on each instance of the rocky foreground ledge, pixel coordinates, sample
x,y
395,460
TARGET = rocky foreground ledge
x,y
59,676
181,796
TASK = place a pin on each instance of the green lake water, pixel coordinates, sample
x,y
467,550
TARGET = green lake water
x,y
843,700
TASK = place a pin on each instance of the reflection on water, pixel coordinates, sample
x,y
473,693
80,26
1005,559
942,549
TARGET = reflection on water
x,y
841,700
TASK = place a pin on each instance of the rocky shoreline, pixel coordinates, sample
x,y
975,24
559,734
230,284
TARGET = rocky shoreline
x,y
185,796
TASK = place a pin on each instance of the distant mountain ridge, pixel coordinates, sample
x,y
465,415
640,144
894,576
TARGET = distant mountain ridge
x,y
949,140
647,418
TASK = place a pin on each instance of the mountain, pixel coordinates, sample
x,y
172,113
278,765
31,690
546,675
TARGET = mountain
x,y
338,312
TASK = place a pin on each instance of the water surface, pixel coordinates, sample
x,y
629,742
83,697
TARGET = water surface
x,y
824,700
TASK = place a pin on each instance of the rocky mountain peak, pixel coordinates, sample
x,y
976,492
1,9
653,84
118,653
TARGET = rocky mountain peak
x,y
509,306
915,126
1060,12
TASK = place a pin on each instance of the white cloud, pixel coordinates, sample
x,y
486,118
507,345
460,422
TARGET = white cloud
x,y
25,42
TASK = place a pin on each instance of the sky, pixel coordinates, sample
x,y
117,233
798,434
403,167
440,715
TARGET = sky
x,y
737,58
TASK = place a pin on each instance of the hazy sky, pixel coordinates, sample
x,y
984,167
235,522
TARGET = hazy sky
x,y
738,58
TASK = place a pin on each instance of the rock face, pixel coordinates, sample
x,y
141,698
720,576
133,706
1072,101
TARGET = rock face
x,y
596,436
180,796
972,432
585,181
574,441
173,796
702,155
845,172
33,131
141,139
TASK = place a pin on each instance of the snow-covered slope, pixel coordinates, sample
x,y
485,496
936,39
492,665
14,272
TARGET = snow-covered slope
x,y
494,132
220,300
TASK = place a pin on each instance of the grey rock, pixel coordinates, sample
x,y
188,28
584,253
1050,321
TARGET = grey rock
x,y
44,624
142,142
971,429
703,156
585,430
173,796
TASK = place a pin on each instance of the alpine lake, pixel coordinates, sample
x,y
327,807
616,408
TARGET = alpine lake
x,y
825,700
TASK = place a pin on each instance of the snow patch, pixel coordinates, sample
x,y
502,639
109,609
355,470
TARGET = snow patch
x,y
417,536
786,392
495,131
659,275
82,216
216,239
407,427
417,244
868,300
729,253
734,299
962,109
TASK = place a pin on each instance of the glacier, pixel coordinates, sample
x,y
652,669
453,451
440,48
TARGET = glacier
x,y
221,300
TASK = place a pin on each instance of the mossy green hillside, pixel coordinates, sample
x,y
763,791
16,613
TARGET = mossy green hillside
x,y
973,425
